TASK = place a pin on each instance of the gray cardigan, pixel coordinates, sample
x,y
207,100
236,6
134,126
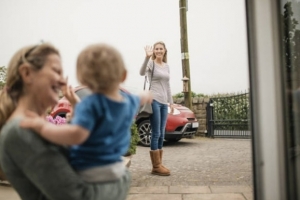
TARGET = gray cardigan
x,y
38,170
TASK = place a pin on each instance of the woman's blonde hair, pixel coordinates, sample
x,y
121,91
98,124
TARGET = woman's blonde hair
x,y
165,55
100,67
35,56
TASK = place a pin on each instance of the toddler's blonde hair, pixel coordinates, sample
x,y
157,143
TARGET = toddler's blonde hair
x,y
100,67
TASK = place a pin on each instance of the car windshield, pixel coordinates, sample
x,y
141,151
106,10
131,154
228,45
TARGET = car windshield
x,y
81,93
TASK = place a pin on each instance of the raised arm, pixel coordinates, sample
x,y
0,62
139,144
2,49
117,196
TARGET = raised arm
x,y
149,52
144,66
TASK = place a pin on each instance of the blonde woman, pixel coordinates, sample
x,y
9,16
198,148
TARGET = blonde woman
x,y
36,168
99,133
156,61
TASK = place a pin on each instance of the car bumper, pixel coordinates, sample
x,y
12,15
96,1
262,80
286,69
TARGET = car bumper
x,y
187,131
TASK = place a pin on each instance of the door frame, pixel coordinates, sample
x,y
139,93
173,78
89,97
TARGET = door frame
x,y
267,98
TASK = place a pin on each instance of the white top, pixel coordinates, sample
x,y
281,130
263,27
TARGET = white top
x,y
160,85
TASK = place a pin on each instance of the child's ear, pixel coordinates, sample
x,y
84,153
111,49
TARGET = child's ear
x,y
124,76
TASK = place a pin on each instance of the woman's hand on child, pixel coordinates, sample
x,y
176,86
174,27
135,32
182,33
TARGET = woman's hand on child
x,y
148,51
33,121
146,97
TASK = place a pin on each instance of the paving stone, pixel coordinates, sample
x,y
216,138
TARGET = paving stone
x,y
229,189
248,195
154,197
188,189
149,190
199,165
213,197
198,161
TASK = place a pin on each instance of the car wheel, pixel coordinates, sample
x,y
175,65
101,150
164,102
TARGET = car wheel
x,y
144,129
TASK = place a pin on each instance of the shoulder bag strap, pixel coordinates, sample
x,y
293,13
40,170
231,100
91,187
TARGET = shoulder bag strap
x,y
151,77
153,67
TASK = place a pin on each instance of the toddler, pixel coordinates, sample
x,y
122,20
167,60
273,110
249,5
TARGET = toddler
x,y
99,132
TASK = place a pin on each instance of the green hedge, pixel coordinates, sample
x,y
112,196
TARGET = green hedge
x,y
231,112
231,107
134,140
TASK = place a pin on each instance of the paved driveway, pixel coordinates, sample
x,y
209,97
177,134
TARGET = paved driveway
x,y
202,169
197,162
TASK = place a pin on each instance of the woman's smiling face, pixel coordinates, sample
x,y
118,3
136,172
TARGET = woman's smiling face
x,y
159,51
47,82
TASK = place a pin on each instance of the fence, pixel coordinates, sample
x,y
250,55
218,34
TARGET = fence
x,y
228,116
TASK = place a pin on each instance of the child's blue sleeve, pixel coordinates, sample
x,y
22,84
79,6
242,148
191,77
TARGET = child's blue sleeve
x,y
136,101
84,115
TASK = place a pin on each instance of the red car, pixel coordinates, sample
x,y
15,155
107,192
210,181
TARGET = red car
x,y
181,124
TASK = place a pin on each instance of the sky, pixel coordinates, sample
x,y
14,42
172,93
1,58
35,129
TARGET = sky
x,y
217,36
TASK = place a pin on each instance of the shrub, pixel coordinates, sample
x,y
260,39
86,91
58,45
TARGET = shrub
x,y
193,94
134,140
231,112
178,95
231,107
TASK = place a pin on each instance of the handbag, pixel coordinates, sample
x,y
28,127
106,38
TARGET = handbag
x,y
146,109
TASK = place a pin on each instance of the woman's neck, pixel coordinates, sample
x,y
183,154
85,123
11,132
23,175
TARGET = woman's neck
x,y
25,103
159,61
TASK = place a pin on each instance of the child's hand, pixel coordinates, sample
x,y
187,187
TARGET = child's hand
x,y
33,121
146,97
69,93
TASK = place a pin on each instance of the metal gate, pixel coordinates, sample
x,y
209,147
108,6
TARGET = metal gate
x,y
229,116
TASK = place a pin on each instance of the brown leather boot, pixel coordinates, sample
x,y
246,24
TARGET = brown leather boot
x,y
160,156
157,169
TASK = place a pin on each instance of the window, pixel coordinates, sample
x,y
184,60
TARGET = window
x,y
290,44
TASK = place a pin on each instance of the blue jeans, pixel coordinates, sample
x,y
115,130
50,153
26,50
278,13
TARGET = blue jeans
x,y
158,122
